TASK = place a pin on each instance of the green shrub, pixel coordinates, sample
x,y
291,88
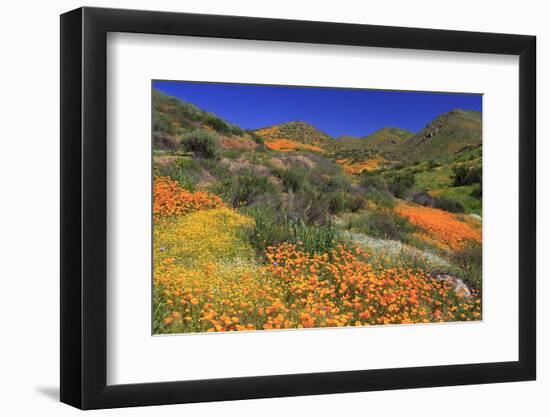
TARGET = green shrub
x,y
463,175
447,204
470,262
216,123
442,203
315,239
315,195
162,124
273,227
340,201
380,198
336,202
255,137
308,205
294,178
382,223
248,186
256,158
431,165
401,183
270,228
232,153
222,188
214,167
459,175
313,204
184,171
236,130
327,179
354,202
475,175
375,189
372,182
165,143
337,182
477,191
202,143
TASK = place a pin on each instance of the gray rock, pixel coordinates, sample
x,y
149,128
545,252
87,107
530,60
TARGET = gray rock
x,y
461,289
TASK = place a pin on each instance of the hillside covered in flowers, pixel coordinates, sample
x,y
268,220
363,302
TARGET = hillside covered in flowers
x,y
286,227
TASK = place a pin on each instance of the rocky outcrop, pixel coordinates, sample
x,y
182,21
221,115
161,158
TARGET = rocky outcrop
x,y
461,289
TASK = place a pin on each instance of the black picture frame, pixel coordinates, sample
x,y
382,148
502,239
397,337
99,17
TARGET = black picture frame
x,y
84,207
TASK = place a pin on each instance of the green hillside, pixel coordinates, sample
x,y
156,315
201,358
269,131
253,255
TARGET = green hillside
x,y
422,167
295,131
175,122
346,142
387,139
445,136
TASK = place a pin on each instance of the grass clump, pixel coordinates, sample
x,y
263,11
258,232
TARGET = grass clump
x,y
184,171
273,227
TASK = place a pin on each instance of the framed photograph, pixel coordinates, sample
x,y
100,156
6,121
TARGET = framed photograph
x,y
257,208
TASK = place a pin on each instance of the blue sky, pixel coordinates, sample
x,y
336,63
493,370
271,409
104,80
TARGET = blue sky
x,y
336,111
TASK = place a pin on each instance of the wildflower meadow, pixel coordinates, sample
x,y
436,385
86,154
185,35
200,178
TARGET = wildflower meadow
x,y
289,227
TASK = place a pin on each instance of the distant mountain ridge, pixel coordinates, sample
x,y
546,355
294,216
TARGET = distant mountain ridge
x,y
446,135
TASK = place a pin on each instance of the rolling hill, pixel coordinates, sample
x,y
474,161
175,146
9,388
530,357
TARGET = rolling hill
x,y
347,142
445,136
174,118
296,135
387,138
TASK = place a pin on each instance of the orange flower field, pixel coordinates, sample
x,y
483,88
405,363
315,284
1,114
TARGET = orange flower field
x,y
441,228
358,167
170,199
207,277
285,145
